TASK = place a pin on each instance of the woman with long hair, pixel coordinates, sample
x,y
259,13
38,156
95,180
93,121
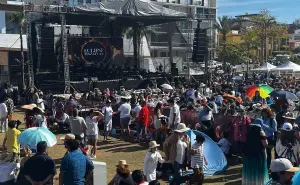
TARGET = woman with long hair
x,y
270,128
287,145
157,122
254,159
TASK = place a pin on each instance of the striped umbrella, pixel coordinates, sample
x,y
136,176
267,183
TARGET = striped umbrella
x,y
264,90
32,136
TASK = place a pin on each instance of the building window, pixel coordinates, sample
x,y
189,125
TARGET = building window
x,y
88,1
155,53
163,54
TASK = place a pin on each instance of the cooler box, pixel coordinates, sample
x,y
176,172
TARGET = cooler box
x,y
100,173
7,172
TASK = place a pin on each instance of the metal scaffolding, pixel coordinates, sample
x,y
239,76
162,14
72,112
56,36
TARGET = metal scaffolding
x,y
61,10
29,51
184,35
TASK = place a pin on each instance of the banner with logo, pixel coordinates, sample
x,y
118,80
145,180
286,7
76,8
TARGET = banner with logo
x,y
94,51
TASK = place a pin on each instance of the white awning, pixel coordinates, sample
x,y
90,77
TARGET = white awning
x,y
265,67
287,66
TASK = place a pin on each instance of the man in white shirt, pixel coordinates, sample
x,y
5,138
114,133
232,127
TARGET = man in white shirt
x,y
124,110
78,125
174,116
136,111
3,117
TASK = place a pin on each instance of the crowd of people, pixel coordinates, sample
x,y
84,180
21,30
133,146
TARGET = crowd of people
x,y
263,133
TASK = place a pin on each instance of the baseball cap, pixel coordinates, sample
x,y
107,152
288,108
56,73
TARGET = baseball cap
x,y
68,137
282,165
287,127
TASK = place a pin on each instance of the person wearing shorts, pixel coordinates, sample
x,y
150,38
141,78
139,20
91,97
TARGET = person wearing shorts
x,y
124,110
107,112
92,130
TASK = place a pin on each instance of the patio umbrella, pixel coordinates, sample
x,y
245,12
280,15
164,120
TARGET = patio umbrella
x,y
283,95
264,90
32,136
167,86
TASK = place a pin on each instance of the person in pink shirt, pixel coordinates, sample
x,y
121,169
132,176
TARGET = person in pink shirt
x,y
240,124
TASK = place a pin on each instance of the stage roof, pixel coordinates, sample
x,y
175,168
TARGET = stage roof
x,y
123,13
141,8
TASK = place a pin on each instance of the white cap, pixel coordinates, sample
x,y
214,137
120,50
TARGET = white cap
x,y
287,127
282,165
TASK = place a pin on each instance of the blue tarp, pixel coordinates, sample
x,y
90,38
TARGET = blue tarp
x,y
216,159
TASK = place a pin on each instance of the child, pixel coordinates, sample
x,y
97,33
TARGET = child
x,y
10,141
224,144
198,159
151,160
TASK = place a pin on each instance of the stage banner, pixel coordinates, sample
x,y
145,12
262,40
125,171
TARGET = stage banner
x,y
94,51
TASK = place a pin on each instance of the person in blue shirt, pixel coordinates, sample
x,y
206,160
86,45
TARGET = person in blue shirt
x,y
75,166
270,127
257,98
269,101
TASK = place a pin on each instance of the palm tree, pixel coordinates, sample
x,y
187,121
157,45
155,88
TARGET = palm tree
x,y
19,19
137,33
224,25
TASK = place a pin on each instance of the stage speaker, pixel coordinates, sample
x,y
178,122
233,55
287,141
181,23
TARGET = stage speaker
x,y
175,71
200,48
48,59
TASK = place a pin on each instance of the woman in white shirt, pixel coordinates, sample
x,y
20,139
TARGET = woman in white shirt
x,y
92,130
151,160
124,110
108,113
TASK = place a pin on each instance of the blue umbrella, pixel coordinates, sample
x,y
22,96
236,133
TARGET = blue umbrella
x,y
283,95
32,136
215,157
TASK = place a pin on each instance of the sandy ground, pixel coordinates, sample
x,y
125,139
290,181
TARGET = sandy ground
x,y
134,153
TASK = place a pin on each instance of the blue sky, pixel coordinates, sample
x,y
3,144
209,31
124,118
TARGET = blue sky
x,y
283,10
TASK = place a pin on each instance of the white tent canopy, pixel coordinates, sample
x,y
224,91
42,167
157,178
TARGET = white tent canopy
x,y
287,66
266,67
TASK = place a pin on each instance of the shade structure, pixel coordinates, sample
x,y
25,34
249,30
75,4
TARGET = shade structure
x,y
32,136
266,67
216,159
264,90
128,11
287,66
283,95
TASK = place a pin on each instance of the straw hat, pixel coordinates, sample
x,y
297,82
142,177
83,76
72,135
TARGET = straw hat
x,y
181,128
289,115
68,137
29,107
122,163
38,110
153,144
257,106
